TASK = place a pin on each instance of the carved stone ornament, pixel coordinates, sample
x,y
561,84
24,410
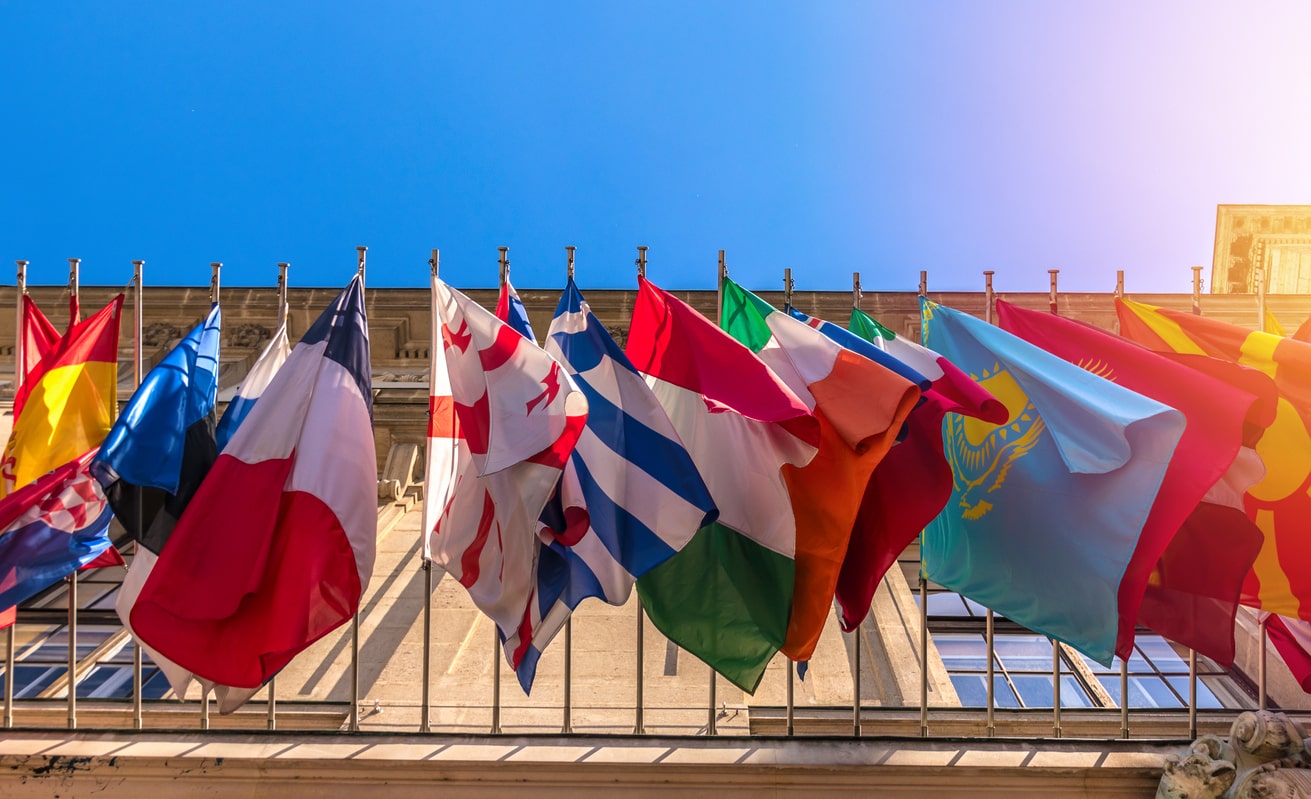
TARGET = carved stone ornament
x,y
248,335
157,334
1267,755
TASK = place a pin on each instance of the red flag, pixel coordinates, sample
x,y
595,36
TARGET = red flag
x,y
1194,594
1292,639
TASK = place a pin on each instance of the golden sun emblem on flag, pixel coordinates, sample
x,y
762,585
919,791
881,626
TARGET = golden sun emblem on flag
x,y
981,454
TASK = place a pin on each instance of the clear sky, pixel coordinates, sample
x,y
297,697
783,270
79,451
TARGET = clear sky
x,y
826,136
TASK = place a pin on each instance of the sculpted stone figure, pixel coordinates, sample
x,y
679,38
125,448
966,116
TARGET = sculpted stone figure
x,y
1267,755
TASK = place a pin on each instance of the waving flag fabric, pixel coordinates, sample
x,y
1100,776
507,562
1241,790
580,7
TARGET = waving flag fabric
x,y
913,482
1303,332
1216,413
1280,580
860,407
726,597
69,400
155,458
277,546
49,528
504,417
257,379
509,309
631,495
1046,509
39,335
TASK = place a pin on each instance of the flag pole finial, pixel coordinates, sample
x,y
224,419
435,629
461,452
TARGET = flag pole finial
x,y
214,267
435,261
924,283
570,269
21,286
641,260
787,287
505,264
359,261
719,288
988,295
73,265
283,266
855,290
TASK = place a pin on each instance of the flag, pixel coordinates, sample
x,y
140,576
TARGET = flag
x,y
1292,640
860,407
1046,509
256,380
509,309
277,546
913,482
39,335
1224,539
1303,332
69,399
1280,580
630,495
504,417
154,459
49,528
726,597
1271,324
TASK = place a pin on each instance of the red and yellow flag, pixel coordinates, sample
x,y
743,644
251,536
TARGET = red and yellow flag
x,y
69,398
1280,581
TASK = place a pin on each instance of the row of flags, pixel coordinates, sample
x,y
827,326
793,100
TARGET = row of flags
x,y
745,476
254,535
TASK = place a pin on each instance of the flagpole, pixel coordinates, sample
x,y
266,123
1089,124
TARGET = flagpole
x,y
1119,295
137,293
11,635
74,301
214,268
355,617
989,632
924,283
787,288
570,269
639,727
271,722
504,262
425,725
855,681
567,726
1192,693
496,680
1260,299
711,722
1053,273
924,653
1260,665
1056,688
72,651
855,290
988,295
282,292
1197,291
1124,698
791,705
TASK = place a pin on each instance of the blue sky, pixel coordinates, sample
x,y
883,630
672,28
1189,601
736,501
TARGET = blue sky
x,y
822,136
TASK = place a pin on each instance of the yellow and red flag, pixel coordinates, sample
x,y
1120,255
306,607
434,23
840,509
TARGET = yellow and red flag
x,y
1280,581
69,398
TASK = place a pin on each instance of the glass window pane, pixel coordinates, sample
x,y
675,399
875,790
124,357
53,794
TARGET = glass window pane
x,y
1073,693
1112,686
1151,692
1035,689
971,689
32,680
1162,653
962,651
1097,668
1205,699
975,607
1024,653
945,605
1002,695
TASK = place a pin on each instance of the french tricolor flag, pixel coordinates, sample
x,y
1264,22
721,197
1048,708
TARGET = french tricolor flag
x,y
277,546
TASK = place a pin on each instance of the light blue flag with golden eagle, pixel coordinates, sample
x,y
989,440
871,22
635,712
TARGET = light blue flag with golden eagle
x,y
1047,508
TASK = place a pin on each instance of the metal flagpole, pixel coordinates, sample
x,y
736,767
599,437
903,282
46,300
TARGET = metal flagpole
x,y
791,706
1197,291
505,265
355,619
1192,693
496,680
73,264
74,290
1260,667
204,706
137,294
1119,295
639,726
214,269
712,722
1053,273
567,726
988,295
570,268
855,681
924,283
787,288
855,290
924,654
1124,698
272,721
425,724
992,688
11,657
1056,688
1260,298
282,292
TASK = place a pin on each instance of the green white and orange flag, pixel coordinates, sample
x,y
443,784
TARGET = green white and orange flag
x,y
860,406
1280,581
727,595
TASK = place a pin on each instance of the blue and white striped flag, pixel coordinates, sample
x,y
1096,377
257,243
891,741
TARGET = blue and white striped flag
x,y
630,496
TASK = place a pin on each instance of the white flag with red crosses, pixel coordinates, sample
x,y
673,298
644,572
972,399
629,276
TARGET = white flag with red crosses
x,y
503,418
